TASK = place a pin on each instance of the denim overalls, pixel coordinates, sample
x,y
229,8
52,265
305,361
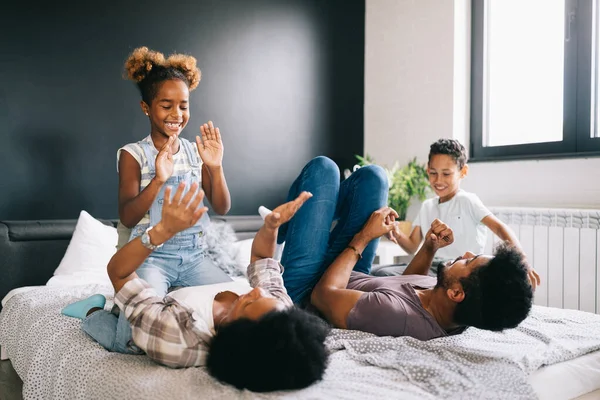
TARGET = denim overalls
x,y
193,234
181,261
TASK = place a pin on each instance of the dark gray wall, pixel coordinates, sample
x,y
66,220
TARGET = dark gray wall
x,y
282,79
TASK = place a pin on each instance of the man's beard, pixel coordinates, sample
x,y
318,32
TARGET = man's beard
x,y
441,273
441,276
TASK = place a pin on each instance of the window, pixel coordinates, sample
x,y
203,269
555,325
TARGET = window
x,y
534,79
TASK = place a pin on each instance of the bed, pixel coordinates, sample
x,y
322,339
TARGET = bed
x,y
554,354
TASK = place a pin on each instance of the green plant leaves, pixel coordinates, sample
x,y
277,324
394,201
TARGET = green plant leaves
x,y
406,183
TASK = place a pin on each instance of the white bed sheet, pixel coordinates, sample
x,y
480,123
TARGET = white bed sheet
x,y
569,379
16,291
48,349
565,380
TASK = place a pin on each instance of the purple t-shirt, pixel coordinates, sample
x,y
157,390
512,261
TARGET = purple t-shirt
x,y
390,307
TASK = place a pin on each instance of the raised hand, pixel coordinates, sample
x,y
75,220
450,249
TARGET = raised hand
x,y
210,147
282,214
396,235
534,278
164,161
181,212
439,235
380,223
390,235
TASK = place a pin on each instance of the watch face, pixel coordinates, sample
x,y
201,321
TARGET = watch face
x,y
146,241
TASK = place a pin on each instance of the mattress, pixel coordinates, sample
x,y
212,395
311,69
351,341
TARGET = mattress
x,y
569,379
48,350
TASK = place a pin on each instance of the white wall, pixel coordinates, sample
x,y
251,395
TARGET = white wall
x,y
562,183
408,77
416,91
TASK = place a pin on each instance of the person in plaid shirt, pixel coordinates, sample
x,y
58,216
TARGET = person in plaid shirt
x,y
177,330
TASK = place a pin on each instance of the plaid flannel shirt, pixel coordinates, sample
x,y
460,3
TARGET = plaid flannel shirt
x,y
170,332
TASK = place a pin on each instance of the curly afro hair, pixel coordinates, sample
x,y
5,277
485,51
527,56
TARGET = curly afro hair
x,y
450,147
283,350
498,294
148,68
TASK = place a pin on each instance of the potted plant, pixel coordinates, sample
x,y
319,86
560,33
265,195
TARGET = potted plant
x,y
405,183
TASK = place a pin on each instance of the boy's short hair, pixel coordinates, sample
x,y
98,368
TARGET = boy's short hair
x,y
451,147
283,350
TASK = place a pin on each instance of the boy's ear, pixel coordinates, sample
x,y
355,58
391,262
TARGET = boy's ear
x,y
464,171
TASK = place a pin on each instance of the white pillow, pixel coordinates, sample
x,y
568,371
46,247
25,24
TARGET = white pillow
x,y
244,251
88,254
242,256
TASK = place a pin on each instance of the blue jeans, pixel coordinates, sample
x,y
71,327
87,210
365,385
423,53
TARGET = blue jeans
x,y
310,244
177,264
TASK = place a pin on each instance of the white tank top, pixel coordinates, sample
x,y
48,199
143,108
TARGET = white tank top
x,y
201,298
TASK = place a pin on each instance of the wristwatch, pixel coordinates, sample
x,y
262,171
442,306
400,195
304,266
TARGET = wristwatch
x,y
146,240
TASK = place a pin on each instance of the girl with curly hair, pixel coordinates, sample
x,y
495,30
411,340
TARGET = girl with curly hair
x,y
146,168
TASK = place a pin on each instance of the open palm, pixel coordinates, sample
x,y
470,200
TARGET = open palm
x,y
164,162
183,210
286,211
210,147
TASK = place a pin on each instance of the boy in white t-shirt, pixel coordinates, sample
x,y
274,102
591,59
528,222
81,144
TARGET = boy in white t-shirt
x,y
462,211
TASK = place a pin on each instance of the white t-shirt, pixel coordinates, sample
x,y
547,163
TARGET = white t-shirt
x,y
463,214
201,298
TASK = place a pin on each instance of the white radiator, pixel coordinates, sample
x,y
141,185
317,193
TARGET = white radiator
x,y
564,247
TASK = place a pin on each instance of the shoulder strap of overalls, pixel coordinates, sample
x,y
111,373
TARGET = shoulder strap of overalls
x,y
190,151
148,146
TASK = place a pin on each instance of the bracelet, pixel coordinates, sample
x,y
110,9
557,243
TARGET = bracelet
x,y
355,251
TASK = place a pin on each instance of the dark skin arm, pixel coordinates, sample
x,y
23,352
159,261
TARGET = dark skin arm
x,y
411,243
330,296
438,236
178,214
133,204
504,232
265,241
210,149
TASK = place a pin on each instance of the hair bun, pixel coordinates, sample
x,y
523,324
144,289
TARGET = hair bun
x,y
187,65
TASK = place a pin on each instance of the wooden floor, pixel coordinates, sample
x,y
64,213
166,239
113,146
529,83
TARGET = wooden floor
x,y
10,383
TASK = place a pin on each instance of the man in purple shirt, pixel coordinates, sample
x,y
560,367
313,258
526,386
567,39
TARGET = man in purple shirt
x,y
329,268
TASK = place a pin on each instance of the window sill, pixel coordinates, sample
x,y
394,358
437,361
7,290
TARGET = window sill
x,y
590,154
